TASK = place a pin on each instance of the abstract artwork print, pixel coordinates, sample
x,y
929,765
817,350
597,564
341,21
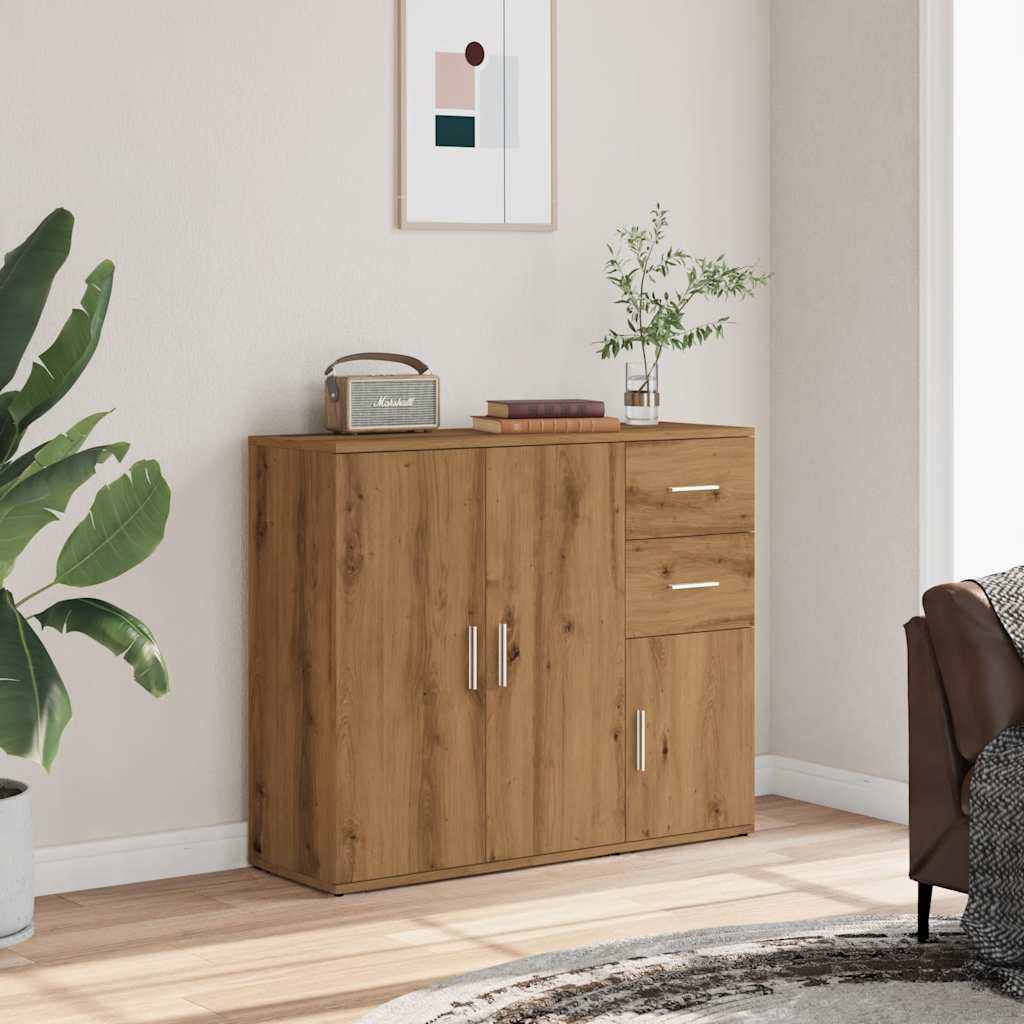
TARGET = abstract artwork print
x,y
477,113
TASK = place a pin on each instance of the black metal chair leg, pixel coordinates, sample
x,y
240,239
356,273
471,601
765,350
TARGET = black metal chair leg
x,y
924,907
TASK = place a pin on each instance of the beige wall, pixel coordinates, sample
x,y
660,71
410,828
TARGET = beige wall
x,y
844,378
236,160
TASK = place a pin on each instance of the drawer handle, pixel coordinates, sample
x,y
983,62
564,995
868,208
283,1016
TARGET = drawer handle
x,y
503,654
705,585
695,487
473,685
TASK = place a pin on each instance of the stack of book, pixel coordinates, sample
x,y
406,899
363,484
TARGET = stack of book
x,y
546,416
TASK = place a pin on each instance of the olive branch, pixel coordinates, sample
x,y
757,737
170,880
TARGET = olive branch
x,y
654,318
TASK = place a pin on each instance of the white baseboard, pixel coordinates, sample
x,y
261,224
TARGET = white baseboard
x,y
832,787
764,766
194,851
197,851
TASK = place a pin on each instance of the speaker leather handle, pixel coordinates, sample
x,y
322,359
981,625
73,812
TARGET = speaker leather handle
x,y
389,357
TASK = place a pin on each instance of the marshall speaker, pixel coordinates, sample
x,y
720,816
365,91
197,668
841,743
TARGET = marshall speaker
x,y
367,403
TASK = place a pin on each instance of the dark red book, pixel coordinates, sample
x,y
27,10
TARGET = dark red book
x,y
544,408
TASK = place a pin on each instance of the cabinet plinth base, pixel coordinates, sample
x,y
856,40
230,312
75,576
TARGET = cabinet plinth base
x,y
466,870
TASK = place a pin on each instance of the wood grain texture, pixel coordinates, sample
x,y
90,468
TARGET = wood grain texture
x,y
465,438
410,756
653,609
292,722
244,947
555,536
698,693
373,764
652,510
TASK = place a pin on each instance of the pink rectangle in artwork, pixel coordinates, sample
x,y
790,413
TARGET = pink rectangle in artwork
x,y
454,82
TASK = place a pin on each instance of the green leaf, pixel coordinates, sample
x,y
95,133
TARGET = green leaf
x,y
35,501
123,527
34,706
118,631
657,323
25,279
10,436
46,454
57,369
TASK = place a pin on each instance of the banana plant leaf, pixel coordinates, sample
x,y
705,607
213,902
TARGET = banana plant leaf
x,y
123,527
34,706
34,502
46,454
63,362
10,435
117,630
25,279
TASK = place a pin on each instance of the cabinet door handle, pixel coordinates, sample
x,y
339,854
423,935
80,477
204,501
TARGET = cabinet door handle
x,y
694,586
503,654
692,488
473,685
641,740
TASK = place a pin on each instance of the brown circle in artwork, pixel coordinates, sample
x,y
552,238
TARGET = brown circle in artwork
x,y
475,54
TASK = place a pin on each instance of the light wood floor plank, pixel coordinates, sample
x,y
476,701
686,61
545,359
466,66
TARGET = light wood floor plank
x,y
243,947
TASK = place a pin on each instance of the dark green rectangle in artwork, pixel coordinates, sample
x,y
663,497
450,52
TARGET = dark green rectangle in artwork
x,y
454,131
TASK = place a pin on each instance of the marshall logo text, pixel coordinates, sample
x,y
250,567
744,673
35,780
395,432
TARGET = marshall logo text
x,y
383,402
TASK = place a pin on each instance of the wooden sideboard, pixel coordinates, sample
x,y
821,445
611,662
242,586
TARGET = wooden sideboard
x,y
472,652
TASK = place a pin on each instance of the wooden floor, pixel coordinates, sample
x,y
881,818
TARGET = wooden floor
x,y
247,948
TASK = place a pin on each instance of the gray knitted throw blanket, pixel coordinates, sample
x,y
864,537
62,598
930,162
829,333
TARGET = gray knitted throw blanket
x,y
994,918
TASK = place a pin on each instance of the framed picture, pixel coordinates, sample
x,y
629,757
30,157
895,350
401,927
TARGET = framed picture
x,y
477,114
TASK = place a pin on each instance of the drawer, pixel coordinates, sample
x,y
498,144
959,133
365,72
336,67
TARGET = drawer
x,y
681,488
689,584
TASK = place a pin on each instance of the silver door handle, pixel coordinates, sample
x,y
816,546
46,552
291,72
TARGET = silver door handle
x,y
503,654
473,684
695,487
641,740
694,586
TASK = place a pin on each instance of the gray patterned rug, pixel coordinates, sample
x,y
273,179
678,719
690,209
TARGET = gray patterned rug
x,y
859,970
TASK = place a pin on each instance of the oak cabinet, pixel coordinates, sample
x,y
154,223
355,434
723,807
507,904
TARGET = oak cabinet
x,y
453,647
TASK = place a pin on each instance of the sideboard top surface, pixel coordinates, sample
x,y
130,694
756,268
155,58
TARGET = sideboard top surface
x,y
342,444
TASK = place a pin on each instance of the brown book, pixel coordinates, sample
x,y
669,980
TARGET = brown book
x,y
543,408
548,425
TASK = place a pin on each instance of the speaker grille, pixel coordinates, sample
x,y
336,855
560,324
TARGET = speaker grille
x,y
397,403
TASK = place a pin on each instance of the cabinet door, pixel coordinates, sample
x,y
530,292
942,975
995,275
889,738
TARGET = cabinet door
x,y
556,582
691,726
411,731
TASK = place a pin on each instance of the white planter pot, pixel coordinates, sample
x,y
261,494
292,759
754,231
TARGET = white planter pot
x,y
16,882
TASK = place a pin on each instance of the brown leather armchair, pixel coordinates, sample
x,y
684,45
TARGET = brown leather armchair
x,y
965,685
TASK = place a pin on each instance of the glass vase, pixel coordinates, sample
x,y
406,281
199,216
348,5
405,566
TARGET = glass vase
x,y
642,400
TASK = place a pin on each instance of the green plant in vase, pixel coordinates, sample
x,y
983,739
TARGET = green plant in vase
x,y
639,267
125,523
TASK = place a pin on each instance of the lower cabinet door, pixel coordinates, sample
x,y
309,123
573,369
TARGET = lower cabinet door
x,y
410,757
690,720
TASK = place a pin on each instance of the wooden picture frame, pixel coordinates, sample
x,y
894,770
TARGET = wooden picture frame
x,y
404,220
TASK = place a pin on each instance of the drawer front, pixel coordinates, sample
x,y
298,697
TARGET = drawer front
x,y
689,584
682,488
